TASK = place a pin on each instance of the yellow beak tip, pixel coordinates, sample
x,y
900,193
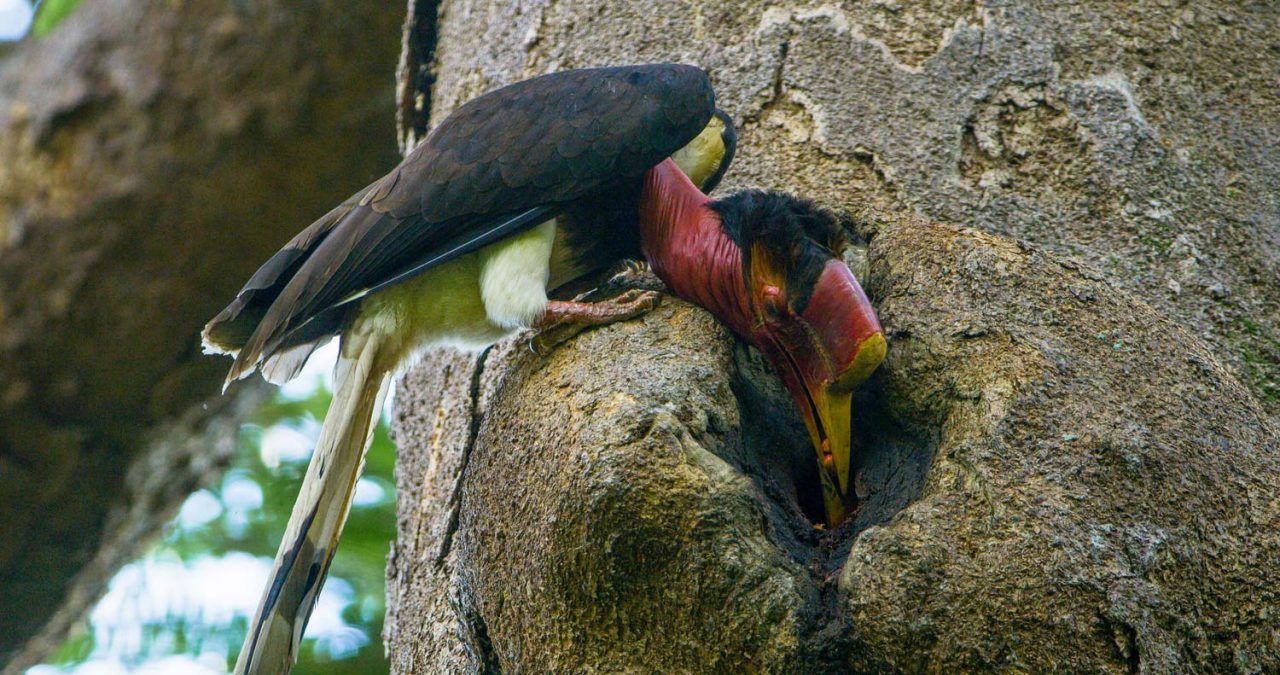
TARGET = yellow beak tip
x,y
870,355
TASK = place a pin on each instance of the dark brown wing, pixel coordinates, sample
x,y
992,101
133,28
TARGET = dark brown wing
x,y
525,150
231,328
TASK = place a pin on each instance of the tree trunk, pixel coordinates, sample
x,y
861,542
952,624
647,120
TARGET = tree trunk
x,y
1068,460
151,155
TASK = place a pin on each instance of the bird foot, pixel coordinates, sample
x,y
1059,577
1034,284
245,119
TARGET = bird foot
x,y
565,319
627,276
635,274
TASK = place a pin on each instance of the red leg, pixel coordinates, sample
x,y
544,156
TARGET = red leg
x,y
564,319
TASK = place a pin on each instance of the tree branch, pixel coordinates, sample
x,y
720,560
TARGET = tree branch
x,y
151,155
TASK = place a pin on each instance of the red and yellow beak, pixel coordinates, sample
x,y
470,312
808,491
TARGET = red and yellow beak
x,y
821,354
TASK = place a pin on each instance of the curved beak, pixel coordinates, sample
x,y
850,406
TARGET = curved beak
x,y
825,402
821,355
829,415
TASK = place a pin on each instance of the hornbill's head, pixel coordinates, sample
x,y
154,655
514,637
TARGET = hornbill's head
x,y
808,315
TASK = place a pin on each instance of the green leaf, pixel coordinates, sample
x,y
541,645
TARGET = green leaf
x,y
77,648
50,13
240,527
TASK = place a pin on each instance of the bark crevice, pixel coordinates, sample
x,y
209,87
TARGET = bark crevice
x,y
414,74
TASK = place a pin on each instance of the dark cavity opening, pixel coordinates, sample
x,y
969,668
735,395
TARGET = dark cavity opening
x,y
889,463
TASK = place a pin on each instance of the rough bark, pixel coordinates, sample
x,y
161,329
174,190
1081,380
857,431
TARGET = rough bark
x,y
1139,137
151,155
1061,465
1073,483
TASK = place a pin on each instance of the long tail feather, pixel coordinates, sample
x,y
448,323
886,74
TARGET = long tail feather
x,y
302,563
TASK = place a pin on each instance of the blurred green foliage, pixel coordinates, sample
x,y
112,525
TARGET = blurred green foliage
x,y
235,530
50,13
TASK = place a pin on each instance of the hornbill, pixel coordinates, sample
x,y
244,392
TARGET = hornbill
x,y
518,192
767,265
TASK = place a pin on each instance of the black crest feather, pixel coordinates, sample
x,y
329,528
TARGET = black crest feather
x,y
792,230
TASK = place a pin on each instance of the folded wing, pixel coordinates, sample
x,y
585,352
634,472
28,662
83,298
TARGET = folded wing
x,y
502,162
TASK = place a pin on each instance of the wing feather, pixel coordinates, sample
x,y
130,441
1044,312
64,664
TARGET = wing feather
x,y
537,145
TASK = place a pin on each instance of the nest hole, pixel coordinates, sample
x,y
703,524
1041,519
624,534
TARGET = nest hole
x,y
889,463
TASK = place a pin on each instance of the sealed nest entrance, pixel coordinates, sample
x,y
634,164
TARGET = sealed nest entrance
x,y
889,463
